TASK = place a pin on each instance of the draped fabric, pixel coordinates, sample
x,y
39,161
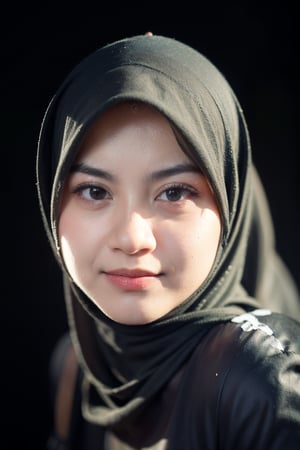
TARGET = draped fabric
x,y
126,365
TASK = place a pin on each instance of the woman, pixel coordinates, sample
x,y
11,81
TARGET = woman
x,y
173,288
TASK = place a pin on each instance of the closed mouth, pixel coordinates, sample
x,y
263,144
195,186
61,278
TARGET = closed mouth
x,y
132,273
131,280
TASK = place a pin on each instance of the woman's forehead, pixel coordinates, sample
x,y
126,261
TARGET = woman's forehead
x,y
131,120
132,128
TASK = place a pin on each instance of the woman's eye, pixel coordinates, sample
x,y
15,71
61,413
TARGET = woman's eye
x,y
92,193
176,193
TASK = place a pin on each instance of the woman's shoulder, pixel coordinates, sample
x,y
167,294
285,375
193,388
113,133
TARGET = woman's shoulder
x,y
63,371
249,338
277,330
265,353
250,367
259,346
270,342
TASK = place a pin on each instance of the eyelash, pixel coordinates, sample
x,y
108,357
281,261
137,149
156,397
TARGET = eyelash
x,y
181,189
88,187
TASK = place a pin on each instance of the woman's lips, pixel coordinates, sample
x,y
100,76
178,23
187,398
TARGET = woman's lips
x,y
131,280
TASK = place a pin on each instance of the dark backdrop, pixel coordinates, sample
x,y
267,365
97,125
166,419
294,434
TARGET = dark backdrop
x,y
255,46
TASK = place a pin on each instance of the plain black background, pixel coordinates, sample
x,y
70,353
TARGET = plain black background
x,y
255,45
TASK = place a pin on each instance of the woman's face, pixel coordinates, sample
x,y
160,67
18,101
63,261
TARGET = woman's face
x,y
139,225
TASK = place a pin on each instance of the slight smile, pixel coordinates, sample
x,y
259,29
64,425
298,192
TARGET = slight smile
x,y
131,280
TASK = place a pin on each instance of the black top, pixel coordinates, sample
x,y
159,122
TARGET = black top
x,y
244,377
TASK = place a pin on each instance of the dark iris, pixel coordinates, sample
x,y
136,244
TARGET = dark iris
x,y
97,193
174,194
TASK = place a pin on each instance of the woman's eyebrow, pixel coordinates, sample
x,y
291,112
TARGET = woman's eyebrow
x,y
154,176
84,168
174,170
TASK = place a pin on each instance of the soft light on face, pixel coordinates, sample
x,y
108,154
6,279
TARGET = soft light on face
x,y
139,225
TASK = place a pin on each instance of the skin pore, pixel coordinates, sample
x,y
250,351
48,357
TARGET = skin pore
x,y
139,226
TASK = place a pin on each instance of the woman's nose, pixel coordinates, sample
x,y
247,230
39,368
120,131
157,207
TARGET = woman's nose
x,y
133,234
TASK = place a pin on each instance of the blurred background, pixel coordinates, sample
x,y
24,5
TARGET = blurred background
x,y
254,44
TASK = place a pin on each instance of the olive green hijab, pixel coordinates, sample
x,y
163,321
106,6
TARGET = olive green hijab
x,y
126,365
